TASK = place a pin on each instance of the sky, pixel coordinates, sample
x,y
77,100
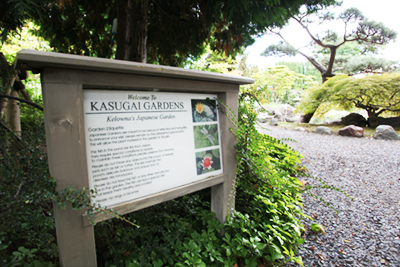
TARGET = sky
x,y
385,11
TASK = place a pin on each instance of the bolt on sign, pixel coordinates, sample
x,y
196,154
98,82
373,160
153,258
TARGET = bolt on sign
x,y
138,134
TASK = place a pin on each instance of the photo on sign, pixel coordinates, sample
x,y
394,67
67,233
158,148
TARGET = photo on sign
x,y
208,161
204,110
205,135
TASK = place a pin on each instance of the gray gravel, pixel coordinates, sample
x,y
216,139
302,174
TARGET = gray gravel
x,y
366,232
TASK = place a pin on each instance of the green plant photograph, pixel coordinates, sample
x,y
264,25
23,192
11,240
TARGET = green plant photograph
x,y
205,135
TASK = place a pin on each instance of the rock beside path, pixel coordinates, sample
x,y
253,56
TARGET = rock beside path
x,y
386,132
323,130
351,130
282,113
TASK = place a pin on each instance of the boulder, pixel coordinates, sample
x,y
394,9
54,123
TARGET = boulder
x,y
290,111
279,116
386,132
323,130
264,117
354,119
300,129
291,119
352,130
267,109
286,110
274,122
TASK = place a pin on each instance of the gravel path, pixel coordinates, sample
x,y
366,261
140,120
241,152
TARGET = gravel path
x,y
366,232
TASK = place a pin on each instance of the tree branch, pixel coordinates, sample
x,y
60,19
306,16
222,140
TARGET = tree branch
x,y
23,100
11,131
314,62
316,40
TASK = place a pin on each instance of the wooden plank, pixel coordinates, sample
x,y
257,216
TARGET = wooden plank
x,y
152,200
67,162
37,60
113,81
222,195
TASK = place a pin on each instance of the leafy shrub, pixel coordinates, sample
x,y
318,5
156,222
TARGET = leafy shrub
x,y
27,191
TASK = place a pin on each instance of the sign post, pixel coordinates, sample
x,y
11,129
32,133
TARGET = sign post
x,y
139,134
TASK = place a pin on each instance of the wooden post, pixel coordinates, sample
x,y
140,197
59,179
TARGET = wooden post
x,y
222,198
67,162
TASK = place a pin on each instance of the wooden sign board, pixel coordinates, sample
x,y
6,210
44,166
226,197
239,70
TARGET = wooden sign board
x,y
139,134
142,143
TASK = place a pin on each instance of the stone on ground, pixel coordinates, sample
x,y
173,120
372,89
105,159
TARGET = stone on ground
x,y
264,117
300,129
352,130
279,116
386,132
291,119
274,122
323,130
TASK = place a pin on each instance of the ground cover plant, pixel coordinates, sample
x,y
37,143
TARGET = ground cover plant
x,y
264,229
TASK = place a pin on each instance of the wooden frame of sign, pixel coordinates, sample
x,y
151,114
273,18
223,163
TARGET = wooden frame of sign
x,y
141,134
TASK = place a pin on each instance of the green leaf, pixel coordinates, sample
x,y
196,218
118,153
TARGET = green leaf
x,y
300,241
158,263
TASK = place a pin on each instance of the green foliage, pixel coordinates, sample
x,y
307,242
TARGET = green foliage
x,y
76,27
317,227
216,62
83,27
377,94
25,258
13,14
279,84
25,39
26,202
305,68
353,58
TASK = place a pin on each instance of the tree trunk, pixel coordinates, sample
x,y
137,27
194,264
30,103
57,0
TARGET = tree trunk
x,y
13,116
132,18
305,118
373,119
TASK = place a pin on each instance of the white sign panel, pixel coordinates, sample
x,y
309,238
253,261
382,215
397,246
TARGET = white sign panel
x,y
141,143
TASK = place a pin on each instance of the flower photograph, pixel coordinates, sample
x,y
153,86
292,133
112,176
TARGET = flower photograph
x,y
208,161
204,110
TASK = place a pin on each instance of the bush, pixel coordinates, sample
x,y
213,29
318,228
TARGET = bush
x,y
27,190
